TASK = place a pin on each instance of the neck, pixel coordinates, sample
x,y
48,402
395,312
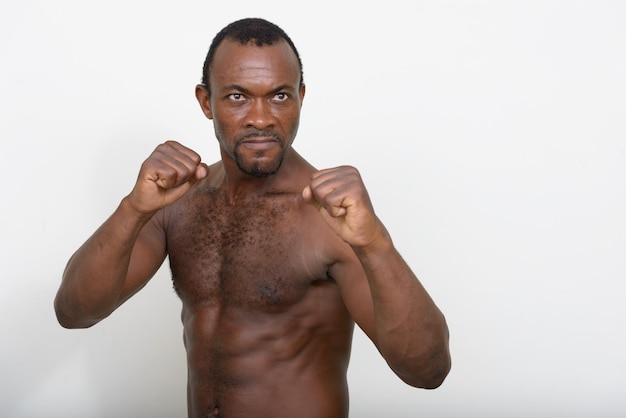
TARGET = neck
x,y
238,184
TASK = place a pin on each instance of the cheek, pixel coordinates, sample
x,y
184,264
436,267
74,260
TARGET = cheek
x,y
221,133
294,122
224,124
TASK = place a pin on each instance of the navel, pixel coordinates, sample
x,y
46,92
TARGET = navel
x,y
213,411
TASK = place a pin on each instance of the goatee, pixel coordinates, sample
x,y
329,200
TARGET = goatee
x,y
257,168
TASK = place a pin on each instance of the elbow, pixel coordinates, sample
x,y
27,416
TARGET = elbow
x,y
69,321
430,376
427,369
437,376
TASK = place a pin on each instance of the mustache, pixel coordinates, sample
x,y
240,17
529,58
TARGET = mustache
x,y
261,133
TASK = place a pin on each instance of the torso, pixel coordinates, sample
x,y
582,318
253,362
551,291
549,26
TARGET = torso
x,y
266,332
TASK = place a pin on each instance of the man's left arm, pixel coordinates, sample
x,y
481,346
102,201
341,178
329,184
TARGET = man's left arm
x,y
402,320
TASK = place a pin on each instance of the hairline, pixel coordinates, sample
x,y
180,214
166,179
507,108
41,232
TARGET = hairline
x,y
262,33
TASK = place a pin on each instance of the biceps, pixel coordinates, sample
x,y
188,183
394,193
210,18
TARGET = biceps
x,y
146,259
356,295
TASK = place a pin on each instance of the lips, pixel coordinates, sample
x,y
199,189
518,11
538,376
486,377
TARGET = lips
x,y
259,143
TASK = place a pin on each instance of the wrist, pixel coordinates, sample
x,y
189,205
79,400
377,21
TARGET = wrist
x,y
380,244
130,210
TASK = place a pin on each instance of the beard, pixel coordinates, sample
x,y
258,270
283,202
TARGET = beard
x,y
262,164
257,168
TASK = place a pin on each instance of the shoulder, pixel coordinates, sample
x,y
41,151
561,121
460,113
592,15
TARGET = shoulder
x,y
322,243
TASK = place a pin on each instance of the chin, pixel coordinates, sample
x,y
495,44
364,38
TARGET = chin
x,y
258,170
260,167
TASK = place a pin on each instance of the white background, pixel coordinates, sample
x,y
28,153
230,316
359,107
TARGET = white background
x,y
491,135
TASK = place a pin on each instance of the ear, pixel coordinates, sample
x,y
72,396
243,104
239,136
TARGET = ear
x,y
302,91
202,94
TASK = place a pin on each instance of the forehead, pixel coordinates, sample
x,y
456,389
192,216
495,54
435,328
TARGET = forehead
x,y
237,64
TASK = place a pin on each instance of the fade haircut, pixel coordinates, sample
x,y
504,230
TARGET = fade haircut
x,y
247,30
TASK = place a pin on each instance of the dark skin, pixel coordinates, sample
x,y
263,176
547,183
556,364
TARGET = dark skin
x,y
274,260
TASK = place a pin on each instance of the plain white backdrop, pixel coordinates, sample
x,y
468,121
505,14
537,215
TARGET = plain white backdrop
x,y
491,136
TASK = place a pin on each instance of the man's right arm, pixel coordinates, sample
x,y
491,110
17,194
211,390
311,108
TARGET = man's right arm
x,y
111,266
128,249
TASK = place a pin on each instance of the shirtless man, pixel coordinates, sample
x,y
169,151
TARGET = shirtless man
x,y
274,260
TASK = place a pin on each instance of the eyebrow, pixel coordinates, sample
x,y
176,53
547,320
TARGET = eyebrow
x,y
237,87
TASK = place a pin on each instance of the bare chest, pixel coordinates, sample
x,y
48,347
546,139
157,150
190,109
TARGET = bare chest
x,y
252,255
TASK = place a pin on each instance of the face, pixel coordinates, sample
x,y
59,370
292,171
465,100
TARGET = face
x,y
255,104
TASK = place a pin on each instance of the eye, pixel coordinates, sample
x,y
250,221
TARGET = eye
x,y
280,97
236,97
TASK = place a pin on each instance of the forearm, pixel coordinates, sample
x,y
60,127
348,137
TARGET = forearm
x,y
95,275
411,332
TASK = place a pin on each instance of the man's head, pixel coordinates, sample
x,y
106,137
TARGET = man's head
x,y
255,95
256,30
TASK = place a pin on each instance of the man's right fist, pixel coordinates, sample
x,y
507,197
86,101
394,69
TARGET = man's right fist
x,y
167,174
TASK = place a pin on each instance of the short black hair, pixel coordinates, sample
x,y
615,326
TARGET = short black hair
x,y
246,30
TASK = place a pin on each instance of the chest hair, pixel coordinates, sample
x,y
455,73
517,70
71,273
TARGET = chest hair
x,y
247,254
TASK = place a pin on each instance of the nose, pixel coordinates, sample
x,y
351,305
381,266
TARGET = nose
x,y
260,115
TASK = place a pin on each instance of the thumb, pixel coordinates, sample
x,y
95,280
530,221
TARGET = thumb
x,y
307,195
202,171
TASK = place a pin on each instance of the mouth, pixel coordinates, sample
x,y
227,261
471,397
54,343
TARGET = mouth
x,y
259,143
